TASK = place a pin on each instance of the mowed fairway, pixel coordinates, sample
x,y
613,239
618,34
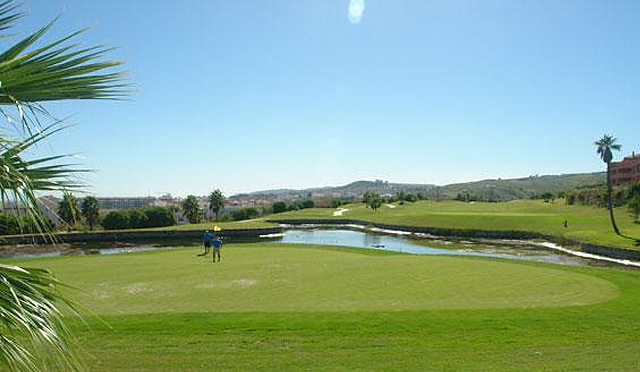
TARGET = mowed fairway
x,y
276,307
585,223
259,277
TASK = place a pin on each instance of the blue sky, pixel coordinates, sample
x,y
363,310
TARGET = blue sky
x,y
246,95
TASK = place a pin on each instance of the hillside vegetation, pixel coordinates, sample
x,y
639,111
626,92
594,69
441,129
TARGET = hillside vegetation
x,y
495,190
522,188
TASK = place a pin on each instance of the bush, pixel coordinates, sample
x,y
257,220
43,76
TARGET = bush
x,y
115,220
159,217
244,214
411,198
634,190
335,203
547,196
11,224
279,207
137,219
634,207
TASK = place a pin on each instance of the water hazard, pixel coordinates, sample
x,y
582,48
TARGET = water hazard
x,y
354,237
365,239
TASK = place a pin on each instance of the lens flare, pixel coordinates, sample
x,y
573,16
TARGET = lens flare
x,y
356,9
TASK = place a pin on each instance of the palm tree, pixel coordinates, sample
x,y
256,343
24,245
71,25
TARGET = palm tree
x,y
216,202
90,210
32,334
604,147
68,210
191,209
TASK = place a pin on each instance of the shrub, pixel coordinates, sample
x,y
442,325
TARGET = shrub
x,y
411,198
547,196
244,214
11,224
634,207
115,220
633,191
335,203
159,217
279,207
137,219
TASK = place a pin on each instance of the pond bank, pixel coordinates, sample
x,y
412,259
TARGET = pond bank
x,y
131,236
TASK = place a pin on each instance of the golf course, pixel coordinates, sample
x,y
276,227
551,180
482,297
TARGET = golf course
x,y
585,223
286,307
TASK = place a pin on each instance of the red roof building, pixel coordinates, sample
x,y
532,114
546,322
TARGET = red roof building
x,y
626,171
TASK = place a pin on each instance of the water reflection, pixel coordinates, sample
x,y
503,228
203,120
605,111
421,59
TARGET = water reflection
x,y
360,239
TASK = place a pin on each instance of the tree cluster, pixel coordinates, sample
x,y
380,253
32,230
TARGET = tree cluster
x,y
372,200
138,218
280,206
244,214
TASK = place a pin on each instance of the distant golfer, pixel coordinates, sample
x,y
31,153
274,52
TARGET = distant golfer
x,y
207,238
217,245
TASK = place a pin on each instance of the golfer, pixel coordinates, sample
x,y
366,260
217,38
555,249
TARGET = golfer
x,y
217,245
207,238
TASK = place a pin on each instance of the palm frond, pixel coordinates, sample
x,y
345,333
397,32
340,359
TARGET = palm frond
x,y
29,301
9,14
57,72
32,334
21,178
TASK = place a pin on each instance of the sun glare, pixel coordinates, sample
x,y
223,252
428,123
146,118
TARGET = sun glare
x,y
356,9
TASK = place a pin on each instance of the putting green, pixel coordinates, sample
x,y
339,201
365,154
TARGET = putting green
x,y
270,277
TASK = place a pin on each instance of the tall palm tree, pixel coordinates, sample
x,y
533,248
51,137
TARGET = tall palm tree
x,y
604,147
68,210
191,209
32,334
90,210
216,202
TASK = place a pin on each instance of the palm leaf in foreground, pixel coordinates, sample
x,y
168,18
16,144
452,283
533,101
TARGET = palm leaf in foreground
x,y
32,334
31,323
20,178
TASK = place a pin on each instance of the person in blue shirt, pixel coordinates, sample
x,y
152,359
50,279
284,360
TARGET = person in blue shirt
x,y
217,245
207,238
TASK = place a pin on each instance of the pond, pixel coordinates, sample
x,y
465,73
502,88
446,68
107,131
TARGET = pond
x,y
405,244
357,237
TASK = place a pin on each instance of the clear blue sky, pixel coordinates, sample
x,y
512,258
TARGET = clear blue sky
x,y
245,95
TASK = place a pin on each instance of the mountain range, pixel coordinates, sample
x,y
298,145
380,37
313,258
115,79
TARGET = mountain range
x,y
491,189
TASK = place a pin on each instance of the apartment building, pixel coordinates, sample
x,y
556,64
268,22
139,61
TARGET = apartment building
x,y
627,171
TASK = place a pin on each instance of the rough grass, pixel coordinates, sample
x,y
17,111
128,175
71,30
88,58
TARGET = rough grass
x,y
586,223
276,307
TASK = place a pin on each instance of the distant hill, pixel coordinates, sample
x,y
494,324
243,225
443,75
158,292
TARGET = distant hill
x,y
354,189
521,188
508,189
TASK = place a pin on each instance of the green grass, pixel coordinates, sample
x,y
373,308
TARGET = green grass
x,y
247,224
258,277
276,307
586,223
